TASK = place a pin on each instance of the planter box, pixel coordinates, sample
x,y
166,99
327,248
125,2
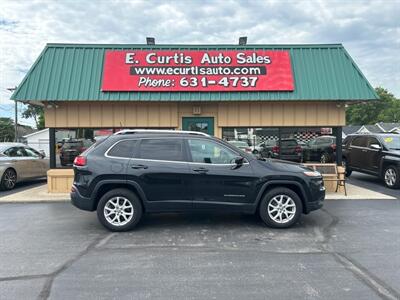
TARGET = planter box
x,y
60,180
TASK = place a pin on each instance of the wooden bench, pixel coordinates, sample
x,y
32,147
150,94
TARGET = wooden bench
x,y
330,173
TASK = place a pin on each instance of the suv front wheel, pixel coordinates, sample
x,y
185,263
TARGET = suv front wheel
x,y
391,177
119,210
280,208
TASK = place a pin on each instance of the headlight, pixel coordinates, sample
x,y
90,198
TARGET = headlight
x,y
312,173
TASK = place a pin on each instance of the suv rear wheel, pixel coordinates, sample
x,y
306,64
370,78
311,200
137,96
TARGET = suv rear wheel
x,y
119,210
391,177
280,208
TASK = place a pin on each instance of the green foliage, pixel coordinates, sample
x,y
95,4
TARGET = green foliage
x,y
35,112
386,109
6,130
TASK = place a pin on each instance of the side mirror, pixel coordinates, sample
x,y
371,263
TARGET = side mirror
x,y
375,146
42,153
239,161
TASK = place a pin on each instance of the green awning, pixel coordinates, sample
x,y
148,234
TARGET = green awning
x,y
73,72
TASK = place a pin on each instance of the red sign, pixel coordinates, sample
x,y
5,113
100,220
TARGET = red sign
x,y
192,70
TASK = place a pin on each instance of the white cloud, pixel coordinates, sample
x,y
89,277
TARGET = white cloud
x,y
370,30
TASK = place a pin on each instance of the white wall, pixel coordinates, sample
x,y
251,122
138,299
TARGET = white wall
x,y
39,141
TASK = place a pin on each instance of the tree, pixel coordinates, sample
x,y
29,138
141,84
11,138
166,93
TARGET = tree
x,y
7,133
386,109
35,112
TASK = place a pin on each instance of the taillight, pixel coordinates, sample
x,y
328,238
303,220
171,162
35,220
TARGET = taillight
x,y
248,150
275,149
80,161
298,149
333,146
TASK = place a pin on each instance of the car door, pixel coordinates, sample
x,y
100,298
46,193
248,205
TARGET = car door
x,y
34,159
160,168
215,179
357,154
372,155
310,153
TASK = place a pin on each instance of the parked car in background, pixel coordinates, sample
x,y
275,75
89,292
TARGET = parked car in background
x,y
286,149
241,145
375,154
321,149
19,162
71,149
257,148
136,171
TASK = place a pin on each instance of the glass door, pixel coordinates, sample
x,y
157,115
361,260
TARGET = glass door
x,y
202,124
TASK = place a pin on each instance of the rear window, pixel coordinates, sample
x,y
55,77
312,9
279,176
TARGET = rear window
x,y
123,149
72,145
288,143
161,149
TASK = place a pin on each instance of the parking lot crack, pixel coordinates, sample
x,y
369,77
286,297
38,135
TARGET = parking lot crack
x,y
46,290
377,285
369,279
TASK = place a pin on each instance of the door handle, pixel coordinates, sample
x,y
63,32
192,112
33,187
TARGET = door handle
x,y
201,170
139,166
364,150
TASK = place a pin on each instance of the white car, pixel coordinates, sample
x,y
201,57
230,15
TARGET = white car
x,y
257,148
18,162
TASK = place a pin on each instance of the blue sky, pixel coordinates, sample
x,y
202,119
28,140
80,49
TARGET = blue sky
x,y
370,30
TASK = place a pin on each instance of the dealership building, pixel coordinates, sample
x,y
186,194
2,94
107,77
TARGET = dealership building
x,y
246,92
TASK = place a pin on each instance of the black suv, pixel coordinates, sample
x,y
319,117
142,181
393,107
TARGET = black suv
x,y
375,154
322,149
137,171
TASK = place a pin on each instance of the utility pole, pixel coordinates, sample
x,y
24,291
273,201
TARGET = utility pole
x,y
16,116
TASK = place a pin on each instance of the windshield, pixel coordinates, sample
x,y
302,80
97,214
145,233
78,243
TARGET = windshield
x,y
392,142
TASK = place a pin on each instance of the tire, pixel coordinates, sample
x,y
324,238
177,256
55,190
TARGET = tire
x,y
255,151
325,158
347,169
8,180
124,221
391,177
271,199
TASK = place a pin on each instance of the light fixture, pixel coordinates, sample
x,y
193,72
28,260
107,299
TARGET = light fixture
x,y
243,40
150,41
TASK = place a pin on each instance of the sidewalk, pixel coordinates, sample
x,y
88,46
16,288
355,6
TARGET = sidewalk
x,y
40,194
36,194
357,193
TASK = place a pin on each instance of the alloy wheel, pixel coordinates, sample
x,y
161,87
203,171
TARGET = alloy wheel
x,y
118,211
281,209
10,179
390,177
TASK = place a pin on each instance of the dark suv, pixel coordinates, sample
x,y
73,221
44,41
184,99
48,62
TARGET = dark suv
x,y
322,149
137,171
375,154
286,149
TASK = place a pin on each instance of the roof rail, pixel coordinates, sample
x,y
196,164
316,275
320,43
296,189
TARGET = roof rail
x,y
132,131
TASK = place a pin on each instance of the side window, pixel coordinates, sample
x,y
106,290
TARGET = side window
x,y
125,148
161,149
360,141
32,153
16,152
204,151
372,140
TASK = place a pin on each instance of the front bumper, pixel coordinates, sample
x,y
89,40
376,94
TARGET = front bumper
x,y
81,202
317,197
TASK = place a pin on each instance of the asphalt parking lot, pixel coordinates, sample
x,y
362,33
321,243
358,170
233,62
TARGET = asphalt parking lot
x,y
348,250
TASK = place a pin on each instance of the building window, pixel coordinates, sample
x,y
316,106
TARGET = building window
x,y
299,144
